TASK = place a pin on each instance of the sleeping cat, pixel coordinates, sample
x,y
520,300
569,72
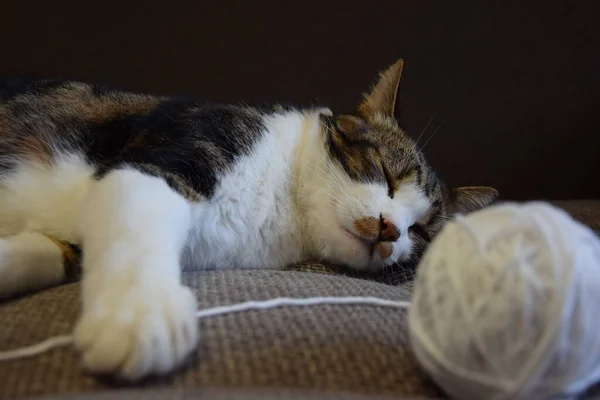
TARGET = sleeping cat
x,y
145,185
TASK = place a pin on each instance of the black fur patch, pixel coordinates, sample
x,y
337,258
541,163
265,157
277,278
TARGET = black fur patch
x,y
355,155
192,142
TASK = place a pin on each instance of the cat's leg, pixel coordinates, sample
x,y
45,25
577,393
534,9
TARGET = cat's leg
x,y
137,318
32,261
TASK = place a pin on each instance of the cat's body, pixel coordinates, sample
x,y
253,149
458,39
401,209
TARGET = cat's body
x,y
238,182
146,185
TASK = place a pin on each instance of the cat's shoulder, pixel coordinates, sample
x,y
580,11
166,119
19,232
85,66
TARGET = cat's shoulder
x,y
24,89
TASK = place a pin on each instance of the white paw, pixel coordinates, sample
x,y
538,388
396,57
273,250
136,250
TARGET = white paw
x,y
132,331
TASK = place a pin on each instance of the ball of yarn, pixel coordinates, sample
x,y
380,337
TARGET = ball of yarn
x,y
507,305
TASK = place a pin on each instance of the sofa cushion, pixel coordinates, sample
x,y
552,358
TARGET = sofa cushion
x,y
585,211
347,348
226,394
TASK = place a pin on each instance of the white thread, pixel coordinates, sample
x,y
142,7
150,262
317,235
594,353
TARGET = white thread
x,y
65,340
38,348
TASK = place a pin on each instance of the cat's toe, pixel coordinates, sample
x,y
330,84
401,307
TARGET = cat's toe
x,y
103,348
148,334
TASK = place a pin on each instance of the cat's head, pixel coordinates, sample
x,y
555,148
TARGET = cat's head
x,y
374,200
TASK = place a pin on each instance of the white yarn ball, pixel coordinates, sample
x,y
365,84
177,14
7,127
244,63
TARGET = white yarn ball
x,y
507,305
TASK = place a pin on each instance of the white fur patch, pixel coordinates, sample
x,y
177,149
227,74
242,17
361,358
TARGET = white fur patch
x,y
252,221
137,318
29,261
42,198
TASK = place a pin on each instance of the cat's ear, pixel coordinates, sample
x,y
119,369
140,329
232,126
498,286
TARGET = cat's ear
x,y
472,198
382,98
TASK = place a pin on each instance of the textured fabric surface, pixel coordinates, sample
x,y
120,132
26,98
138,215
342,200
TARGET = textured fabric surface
x,y
228,394
586,211
390,276
358,349
320,352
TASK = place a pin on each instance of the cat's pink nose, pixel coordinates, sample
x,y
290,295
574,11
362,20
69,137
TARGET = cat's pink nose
x,y
389,232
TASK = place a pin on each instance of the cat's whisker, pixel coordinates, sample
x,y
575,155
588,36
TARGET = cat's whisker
x,y
324,125
339,203
330,194
324,174
337,178
424,129
433,134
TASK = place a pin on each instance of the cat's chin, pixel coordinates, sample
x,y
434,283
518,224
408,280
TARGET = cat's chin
x,y
361,260
371,263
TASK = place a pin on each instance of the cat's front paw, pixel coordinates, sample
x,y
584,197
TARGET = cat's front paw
x,y
132,331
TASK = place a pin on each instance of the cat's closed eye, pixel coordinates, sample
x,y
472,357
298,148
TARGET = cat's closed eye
x,y
391,184
390,188
419,230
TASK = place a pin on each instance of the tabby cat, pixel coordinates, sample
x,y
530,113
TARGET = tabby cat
x,y
145,185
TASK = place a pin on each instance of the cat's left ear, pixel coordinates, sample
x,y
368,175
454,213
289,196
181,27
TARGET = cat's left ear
x,y
382,98
472,198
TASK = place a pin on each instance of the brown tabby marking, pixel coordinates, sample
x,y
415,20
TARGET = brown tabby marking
x,y
33,148
73,101
371,146
382,98
368,227
77,99
468,198
175,181
385,249
409,178
71,259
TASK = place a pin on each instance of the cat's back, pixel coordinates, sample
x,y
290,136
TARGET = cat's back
x,y
99,119
59,101
46,118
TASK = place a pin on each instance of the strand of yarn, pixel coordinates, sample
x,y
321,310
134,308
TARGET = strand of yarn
x,y
66,340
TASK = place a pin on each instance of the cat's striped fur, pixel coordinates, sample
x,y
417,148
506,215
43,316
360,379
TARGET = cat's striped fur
x,y
145,184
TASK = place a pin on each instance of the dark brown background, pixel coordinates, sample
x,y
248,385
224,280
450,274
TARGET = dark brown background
x,y
516,81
